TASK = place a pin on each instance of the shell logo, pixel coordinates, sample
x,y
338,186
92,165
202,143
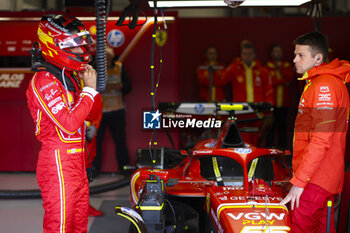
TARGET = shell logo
x,y
92,30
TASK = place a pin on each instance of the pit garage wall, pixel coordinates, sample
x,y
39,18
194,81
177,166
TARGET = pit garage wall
x,y
187,39
196,34
18,145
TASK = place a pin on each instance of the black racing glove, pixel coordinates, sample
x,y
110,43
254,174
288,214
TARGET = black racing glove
x,y
90,133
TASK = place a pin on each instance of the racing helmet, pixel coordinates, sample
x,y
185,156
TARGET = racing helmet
x,y
57,34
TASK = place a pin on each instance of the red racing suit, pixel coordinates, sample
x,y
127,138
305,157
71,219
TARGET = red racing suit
x,y
218,93
61,174
321,126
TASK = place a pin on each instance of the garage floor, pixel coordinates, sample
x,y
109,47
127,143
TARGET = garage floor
x,y
25,215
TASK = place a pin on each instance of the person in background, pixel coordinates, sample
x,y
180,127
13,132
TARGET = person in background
x,y
118,84
91,135
210,78
319,135
59,105
281,74
250,82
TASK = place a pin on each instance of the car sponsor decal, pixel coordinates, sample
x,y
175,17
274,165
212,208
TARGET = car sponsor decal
x,y
243,150
257,216
249,205
274,151
216,220
236,187
279,229
244,198
197,152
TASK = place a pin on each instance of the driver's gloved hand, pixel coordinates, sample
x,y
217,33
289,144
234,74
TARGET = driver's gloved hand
x,y
90,133
90,171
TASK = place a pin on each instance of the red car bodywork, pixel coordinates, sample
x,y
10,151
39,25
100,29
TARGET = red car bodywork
x,y
242,201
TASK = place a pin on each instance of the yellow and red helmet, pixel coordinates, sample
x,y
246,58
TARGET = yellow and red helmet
x,y
58,33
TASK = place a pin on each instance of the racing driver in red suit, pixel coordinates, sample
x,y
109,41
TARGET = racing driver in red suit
x,y
59,107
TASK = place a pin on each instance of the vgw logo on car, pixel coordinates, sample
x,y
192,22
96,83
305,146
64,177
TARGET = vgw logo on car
x,y
151,120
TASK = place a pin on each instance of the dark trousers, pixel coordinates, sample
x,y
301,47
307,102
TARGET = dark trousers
x,y
278,128
115,120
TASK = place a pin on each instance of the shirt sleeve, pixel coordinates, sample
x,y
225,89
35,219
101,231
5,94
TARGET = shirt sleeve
x,y
202,76
267,85
95,114
53,102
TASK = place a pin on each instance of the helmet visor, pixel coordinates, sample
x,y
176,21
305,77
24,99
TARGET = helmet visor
x,y
79,39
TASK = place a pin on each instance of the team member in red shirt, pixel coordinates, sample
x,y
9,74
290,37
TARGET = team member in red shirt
x,y
215,87
250,83
319,134
91,135
59,107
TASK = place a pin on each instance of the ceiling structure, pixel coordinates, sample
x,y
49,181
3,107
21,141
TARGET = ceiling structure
x,y
329,7
221,3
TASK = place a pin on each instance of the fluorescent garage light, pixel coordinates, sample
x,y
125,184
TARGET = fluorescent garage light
x,y
274,2
220,3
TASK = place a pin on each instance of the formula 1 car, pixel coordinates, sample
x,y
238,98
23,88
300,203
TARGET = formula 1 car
x,y
222,185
